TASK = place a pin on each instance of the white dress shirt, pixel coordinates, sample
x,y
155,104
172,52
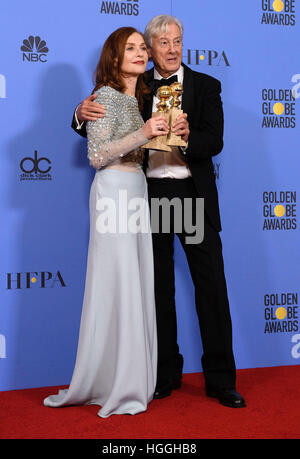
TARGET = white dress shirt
x,y
167,164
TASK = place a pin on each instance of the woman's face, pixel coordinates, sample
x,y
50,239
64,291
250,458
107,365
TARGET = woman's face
x,y
135,56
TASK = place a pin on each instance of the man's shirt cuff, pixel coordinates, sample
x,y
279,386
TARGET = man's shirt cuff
x,y
78,125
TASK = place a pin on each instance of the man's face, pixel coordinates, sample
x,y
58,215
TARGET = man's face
x,y
166,51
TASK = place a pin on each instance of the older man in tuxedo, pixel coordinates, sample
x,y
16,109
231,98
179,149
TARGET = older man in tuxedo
x,y
186,173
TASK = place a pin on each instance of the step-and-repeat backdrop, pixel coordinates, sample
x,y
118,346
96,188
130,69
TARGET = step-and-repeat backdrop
x,y
48,53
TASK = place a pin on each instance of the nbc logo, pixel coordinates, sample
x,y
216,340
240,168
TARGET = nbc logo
x,y
2,347
2,87
34,49
278,12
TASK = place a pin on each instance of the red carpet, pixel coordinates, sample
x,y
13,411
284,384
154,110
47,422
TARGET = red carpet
x,y
272,412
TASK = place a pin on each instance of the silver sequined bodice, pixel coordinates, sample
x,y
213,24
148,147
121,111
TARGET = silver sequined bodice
x,y
110,138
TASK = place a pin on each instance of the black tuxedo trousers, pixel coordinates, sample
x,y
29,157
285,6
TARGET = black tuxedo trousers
x,y
206,267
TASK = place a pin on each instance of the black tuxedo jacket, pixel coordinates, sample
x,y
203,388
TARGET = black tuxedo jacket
x,y
202,102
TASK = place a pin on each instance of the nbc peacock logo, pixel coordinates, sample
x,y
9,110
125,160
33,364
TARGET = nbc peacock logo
x,y
34,49
278,12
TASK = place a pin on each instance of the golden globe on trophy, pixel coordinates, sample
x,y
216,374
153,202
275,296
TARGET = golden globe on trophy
x,y
165,142
173,139
164,93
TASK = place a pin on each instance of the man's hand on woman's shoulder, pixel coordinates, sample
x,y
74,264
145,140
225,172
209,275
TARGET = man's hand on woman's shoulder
x,y
88,110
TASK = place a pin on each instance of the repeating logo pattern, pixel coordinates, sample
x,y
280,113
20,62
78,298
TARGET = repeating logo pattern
x,y
276,110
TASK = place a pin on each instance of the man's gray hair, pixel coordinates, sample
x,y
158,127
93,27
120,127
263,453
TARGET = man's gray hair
x,y
158,25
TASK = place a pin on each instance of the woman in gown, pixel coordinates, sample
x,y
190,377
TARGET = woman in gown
x,y
116,358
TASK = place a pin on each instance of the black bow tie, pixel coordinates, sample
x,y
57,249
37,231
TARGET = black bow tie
x,y
155,84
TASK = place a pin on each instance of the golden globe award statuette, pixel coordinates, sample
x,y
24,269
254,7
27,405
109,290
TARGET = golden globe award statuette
x,y
164,93
173,139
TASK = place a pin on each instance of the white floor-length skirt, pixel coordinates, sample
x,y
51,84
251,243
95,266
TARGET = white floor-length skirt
x,y
116,359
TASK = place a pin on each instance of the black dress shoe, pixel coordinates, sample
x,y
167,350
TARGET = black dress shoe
x,y
227,397
165,389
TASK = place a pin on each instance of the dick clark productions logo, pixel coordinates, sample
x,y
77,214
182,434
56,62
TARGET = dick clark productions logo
x,y
35,168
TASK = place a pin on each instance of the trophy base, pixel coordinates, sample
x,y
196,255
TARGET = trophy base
x,y
152,145
173,139
176,141
159,142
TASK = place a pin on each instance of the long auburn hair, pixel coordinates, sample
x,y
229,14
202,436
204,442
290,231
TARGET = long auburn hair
x,y
108,71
